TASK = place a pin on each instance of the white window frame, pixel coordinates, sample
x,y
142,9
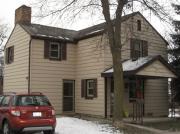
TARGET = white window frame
x,y
140,49
90,88
50,50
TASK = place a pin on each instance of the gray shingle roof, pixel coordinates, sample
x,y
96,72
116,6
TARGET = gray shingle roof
x,y
41,31
37,30
131,67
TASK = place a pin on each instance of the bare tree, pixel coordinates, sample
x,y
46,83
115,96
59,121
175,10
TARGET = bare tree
x,y
3,37
110,10
3,32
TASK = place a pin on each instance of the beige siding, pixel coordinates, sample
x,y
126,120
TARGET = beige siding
x,y
89,65
156,97
156,46
156,69
16,73
85,60
47,75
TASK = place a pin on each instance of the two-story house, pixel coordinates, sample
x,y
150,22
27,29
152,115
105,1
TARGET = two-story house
x,y
74,68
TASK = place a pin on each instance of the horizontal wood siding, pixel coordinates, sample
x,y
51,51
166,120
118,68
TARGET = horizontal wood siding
x,y
90,64
156,97
156,69
16,73
47,75
156,46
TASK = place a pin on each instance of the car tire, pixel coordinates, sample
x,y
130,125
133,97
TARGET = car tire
x,y
49,132
6,128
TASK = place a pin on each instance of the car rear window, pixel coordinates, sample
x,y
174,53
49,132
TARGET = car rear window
x,y
1,98
34,100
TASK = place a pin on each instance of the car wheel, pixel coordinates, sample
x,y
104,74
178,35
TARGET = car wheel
x,y
49,132
6,128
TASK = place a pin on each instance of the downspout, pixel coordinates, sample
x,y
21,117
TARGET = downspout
x,y
29,90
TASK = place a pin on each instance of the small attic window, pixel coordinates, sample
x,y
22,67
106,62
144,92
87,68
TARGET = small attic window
x,y
138,25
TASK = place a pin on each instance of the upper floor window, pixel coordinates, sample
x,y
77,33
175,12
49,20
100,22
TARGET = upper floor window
x,y
139,48
89,88
9,55
138,25
54,50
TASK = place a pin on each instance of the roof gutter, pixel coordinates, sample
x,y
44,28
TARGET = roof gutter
x,y
29,90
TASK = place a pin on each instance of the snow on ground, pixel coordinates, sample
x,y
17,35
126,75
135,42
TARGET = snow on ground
x,y
176,114
69,125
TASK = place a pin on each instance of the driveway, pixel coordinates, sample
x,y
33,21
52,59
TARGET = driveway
x,y
69,125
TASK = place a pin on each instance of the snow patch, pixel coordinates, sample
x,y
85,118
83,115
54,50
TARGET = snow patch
x,y
130,65
68,125
96,31
50,36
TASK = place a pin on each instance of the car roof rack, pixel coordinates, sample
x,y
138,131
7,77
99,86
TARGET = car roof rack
x,y
8,93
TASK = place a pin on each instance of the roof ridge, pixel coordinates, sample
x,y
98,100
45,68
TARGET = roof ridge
x,y
48,26
127,15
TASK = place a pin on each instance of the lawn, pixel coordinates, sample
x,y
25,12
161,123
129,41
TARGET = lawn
x,y
172,125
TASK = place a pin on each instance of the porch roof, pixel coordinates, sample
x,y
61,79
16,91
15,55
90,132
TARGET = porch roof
x,y
150,66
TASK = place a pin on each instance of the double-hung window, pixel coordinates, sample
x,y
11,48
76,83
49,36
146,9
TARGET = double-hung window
x,y
139,48
54,50
9,55
89,88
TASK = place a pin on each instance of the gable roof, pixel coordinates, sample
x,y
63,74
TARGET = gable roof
x,y
131,67
41,31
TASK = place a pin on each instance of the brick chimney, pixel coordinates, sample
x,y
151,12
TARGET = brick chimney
x,y
23,14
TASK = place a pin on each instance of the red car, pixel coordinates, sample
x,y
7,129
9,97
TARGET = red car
x,y
26,113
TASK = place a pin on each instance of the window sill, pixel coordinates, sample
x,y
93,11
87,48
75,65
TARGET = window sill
x,y
89,97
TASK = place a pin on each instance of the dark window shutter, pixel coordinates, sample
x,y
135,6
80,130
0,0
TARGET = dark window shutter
x,y
95,89
12,53
60,51
46,49
145,48
6,60
64,51
132,42
83,88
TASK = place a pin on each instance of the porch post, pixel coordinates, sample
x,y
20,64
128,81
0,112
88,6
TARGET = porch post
x,y
105,97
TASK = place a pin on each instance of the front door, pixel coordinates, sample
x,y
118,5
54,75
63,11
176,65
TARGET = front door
x,y
68,96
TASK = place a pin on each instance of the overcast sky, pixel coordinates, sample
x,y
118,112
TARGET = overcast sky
x,y
7,9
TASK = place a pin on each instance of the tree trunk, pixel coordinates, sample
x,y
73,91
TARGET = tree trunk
x,y
118,87
114,35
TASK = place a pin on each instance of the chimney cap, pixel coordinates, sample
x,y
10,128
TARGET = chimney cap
x,y
23,6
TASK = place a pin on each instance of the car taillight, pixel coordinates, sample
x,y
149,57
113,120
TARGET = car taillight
x,y
53,112
16,113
